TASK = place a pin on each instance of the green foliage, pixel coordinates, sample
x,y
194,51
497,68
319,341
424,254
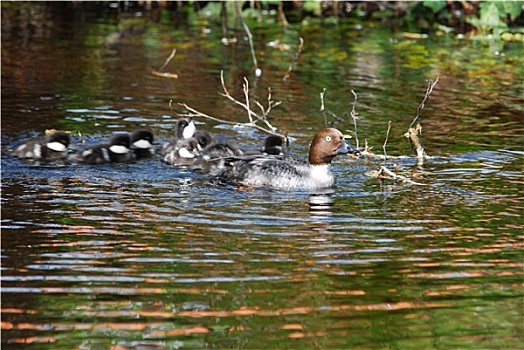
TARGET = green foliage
x,y
435,6
493,14
313,7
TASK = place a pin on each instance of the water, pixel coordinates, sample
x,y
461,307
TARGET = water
x,y
146,255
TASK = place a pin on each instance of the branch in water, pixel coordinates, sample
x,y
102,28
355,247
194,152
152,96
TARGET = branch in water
x,y
325,112
385,142
354,115
429,90
159,72
414,133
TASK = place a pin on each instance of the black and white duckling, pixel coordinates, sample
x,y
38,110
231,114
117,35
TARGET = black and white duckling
x,y
116,150
183,152
204,139
273,145
184,129
51,146
142,143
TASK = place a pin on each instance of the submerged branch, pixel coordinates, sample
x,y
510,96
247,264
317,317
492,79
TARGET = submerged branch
x,y
385,174
159,72
414,133
414,136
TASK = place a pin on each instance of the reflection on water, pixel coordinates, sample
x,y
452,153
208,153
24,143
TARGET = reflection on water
x,y
320,205
148,255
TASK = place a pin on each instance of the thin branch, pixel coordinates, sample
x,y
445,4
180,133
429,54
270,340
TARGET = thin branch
x,y
282,15
232,99
354,115
385,142
251,114
326,112
245,87
173,53
159,72
246,106
297,55
270,105
414,133
322,108
258,72
195,113
431,85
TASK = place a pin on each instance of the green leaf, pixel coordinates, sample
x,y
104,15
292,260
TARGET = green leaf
x,y
313,6
435,6
511,8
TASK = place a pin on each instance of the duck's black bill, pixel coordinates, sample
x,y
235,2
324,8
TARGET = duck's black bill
x,y
347,148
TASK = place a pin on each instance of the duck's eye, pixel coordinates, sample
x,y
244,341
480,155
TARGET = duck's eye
x,y
328,138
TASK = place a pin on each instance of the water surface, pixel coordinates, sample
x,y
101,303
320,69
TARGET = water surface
x,y
148,255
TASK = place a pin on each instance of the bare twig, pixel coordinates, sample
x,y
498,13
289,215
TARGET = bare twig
x,y
414,133
195,114
354,115
322,107
245,87
385,142
173,53
258,71
282,15
252,116
326,112
431,85
270,105
250,112
297,55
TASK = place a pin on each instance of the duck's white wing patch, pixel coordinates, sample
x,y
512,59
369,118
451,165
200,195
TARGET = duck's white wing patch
x,y
56,146
37,150
105,154
21,148
142,144
87,152
118,149
184,153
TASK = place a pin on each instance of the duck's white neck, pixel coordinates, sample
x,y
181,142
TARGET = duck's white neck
x,y
321,171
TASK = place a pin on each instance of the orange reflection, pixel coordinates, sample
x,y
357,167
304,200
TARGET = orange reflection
x,y
293,327
298,335
17,311
182,331
346,292
31,340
